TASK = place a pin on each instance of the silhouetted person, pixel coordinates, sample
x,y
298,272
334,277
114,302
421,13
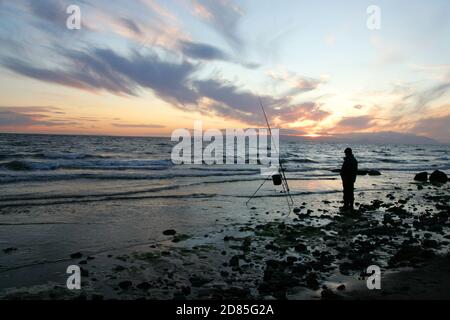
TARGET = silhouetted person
x,y
349,172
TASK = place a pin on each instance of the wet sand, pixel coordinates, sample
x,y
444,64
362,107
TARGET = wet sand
x,y
319,253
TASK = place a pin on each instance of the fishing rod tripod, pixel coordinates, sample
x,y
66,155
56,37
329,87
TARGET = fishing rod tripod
x,y
278,178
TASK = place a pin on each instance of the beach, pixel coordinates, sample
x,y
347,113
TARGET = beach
x,y
142,228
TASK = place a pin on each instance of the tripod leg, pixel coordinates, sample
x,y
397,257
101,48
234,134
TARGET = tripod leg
x,y
254,194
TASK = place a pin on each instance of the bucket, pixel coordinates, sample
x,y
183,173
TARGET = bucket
x,y
276,178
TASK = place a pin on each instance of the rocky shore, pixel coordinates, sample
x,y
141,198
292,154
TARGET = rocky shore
x,y
319,252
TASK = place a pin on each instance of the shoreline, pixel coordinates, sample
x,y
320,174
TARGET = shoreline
x,y
267,254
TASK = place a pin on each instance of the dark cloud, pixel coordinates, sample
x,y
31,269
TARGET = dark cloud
x,y
356,123
102,69
169,80
30,116
131,25
53,11
233,102
172,81
203,51
435,127
88,74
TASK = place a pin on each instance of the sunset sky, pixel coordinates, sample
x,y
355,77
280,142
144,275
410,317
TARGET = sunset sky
x,y
147,67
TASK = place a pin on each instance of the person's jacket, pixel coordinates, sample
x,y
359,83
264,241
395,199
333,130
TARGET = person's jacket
x,y
349,169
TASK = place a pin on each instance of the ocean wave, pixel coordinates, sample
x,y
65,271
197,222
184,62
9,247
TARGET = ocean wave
x,y
18,165
51,156
67,155
100,164
390,160
296,160
39,177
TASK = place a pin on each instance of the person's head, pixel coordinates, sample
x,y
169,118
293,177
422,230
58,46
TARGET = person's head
x,y
348,152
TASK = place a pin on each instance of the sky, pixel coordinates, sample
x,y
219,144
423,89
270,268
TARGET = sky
x,y
148,67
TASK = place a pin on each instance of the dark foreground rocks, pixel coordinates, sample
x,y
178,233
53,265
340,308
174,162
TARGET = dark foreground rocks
x,y
422,177
169,232
438,177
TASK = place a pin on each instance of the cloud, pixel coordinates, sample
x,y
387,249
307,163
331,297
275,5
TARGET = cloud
x,y
356,123
231,101
434,127
297,84
172,81
131,25
168,80
143,126
224,16
203,51
30,116
52,11
91,75
305,111
103,69
431,94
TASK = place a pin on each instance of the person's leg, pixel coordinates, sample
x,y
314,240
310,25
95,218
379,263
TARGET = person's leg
x,y
346,194
351,195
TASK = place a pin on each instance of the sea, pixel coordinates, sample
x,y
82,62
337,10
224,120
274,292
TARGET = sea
x,y
92,194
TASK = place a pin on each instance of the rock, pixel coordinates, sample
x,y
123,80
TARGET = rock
x,y
84,272
198,281
341,287
428,243
301,248
118,268
77,255
328,294
186,290
438,177
247,243
311,281
125,285
234,261
277,279
369,172
422,177
291,259
408,255
144,286
297,210
169,232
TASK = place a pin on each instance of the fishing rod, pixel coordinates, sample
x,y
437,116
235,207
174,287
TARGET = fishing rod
x,y
280,177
